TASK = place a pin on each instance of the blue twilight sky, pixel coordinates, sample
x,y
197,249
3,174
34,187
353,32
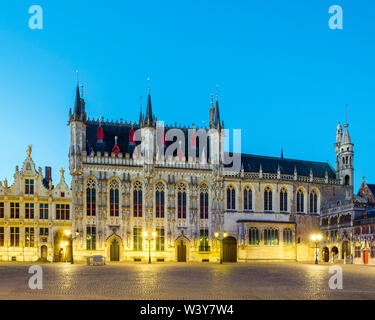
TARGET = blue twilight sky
x,y
284,77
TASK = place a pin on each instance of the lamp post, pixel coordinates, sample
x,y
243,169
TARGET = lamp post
x,y
221,237
149,239
69,234
316,238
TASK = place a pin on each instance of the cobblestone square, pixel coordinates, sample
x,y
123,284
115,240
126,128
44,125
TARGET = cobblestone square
x,y
187,281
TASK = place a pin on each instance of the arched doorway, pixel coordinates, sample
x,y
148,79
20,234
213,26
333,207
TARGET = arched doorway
x,y
325,254
114,250
230,249
181,251
345,249
43,252
335,252
62,250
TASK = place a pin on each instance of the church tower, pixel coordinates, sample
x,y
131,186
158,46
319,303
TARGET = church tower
x,y
148,125
77,123
344,156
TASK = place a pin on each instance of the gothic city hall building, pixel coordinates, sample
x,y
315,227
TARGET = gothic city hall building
x,y
142,188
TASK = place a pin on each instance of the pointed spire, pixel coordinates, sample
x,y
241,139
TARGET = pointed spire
x,y
77,102
148,119
216,123
282,153
140,112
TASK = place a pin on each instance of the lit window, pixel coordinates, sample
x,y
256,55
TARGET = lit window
x,y
159,239
90,238
14,210
203,241
288,237
14,236
253,236
138,239
271,237
29,237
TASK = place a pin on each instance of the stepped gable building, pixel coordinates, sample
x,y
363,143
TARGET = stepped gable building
x,y
348,228
201,203
34,215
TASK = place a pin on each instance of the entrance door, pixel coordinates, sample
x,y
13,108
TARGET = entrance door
x,y
365,257
230,249
115,251
181,252
325,254
43,252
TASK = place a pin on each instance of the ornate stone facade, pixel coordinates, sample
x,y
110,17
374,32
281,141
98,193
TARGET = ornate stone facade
x,y
34,215
200,207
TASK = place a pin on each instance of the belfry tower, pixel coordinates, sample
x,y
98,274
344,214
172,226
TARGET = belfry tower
x,y
344,156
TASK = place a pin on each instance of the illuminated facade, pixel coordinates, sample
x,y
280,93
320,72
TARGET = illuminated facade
x,y
34,215
125,183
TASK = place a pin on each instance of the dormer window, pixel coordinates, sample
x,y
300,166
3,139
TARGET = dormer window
x,y
29,186
62,194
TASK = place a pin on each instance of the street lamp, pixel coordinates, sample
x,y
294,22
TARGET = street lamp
x,y
149,239
69,234
221,238
316,238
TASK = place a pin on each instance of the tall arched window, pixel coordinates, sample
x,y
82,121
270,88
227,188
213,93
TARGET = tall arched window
x,y
203,201
231,198
91,198
159,198
114,198
283,200
300,201
288,237
247,198
137,199
181,201
313,202
271,237
267,199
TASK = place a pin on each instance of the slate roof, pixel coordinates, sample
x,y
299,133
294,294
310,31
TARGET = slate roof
x,y
250,163
372,188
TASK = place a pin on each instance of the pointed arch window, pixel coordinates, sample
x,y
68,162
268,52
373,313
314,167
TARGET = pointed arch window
x,y
91,198
114,198
313,202
181,201
283,200
137,199
231,198
159,198
203,201
300,201
247,199
267,199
